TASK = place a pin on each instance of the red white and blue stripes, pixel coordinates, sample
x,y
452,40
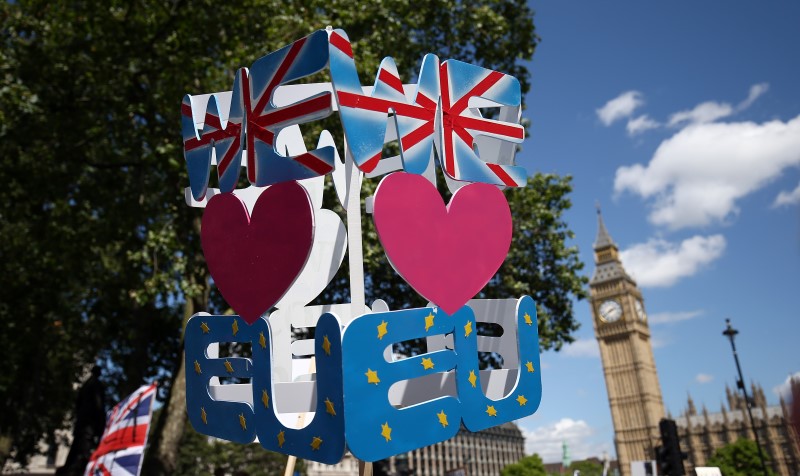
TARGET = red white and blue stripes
x,y
364,117
122,445
461,124
443,91
265,166
254,121
242,125
222,136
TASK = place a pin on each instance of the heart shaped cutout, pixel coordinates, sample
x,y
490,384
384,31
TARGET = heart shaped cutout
x,y
255,259
447,254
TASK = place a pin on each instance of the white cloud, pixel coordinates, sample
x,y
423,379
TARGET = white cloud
x,y
710,111
582,348
785,389
620,107
547,441
696,176
703,378
659,263
787,198
702,113
640,124
756,91
673,317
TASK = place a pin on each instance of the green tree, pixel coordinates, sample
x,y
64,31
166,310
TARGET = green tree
x,y
100,257
527,466
586,468
739,458
200,455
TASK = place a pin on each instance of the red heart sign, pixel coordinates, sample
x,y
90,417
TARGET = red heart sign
x,y
446,254
254,260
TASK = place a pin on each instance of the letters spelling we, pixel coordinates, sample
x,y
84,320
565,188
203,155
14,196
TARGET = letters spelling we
x,y
443,120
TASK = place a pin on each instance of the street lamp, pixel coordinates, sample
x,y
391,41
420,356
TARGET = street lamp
x,y
730,333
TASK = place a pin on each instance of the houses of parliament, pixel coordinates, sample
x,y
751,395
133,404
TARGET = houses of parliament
x,y
634,393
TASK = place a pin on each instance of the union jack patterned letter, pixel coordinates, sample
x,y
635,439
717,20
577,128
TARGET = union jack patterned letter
x,y
364,117
246,119
265,165
461,125
222,134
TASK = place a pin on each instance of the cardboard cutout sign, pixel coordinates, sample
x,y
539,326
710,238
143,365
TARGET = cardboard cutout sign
x,y
272,248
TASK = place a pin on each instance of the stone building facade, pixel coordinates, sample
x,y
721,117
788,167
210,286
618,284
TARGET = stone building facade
x,y
634,394
483,453
623,335
703,433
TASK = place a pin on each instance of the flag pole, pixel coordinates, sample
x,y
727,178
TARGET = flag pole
x,y
301,420
355,252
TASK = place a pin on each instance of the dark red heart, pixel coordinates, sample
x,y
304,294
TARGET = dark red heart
x,y
254,260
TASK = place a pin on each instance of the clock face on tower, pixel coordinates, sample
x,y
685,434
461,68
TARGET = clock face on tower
x,y
640,310
610,311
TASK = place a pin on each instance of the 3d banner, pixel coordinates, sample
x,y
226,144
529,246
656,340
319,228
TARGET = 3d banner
x,y
272,248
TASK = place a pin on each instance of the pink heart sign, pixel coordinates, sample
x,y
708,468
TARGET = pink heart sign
x,y
254,260
446,254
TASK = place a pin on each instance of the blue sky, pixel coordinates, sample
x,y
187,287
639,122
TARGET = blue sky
x,y
683,120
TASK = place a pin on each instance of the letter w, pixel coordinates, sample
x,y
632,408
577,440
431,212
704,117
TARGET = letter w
x,y
364,117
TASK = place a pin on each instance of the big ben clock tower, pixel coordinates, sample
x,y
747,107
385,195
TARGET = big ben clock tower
x,y
620,324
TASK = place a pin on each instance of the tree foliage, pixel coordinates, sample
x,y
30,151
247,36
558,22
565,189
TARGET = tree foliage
x,y
586,468
739,458
100,258
200,455
527,466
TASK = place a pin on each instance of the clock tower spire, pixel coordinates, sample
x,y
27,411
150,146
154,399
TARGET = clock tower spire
x,y
623,335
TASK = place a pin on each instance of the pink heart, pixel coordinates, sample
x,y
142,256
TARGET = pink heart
x,y
254,260
446,254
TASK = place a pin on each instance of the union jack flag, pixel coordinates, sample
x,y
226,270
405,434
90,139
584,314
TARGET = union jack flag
x,y
122,446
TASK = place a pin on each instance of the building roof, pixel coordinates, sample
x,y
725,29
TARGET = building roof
x,y
606,269
603,238
731,416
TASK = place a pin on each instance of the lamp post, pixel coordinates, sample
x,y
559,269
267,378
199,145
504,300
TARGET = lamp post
x,y
730,333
